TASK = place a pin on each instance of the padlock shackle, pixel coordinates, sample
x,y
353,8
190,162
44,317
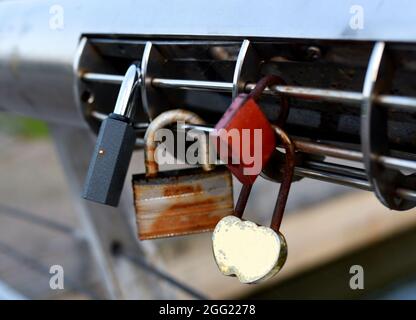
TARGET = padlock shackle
x,y
125,103
288,171
161,121
268,81
242,200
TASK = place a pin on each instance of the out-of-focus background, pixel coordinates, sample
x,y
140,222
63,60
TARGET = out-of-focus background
x,y
329,229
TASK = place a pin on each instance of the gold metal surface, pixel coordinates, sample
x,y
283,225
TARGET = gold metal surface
x,y
252,253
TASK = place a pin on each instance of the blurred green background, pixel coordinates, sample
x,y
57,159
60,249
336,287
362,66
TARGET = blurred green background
x,y
22,126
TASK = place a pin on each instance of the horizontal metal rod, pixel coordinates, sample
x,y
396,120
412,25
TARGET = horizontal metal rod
x,y
336,168
407,194
42,268
102,77
349,97
98,115
399,103
333,177
324,171
353,155
30,217
396,163
305,147
327,150
193,84
332,151
142,263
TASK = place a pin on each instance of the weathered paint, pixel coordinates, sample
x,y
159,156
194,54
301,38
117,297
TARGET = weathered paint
x,y
181,202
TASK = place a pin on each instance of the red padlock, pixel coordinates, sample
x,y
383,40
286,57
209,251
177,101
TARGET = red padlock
x,y
245,138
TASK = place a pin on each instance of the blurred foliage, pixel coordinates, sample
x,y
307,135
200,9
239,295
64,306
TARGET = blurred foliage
x,y
22,126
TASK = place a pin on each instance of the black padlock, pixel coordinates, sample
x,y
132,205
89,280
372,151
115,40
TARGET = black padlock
x,y
114,147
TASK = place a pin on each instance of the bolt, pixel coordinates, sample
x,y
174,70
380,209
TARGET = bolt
x,y
313,53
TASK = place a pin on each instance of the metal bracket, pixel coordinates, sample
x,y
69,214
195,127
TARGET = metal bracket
x,y
374,133
247,68
152,61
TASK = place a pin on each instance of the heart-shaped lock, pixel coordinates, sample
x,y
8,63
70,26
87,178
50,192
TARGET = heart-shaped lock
x,y
244,249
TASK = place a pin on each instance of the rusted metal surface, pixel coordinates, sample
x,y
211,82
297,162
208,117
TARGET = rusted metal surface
x,y
288,172
265,83
242,200
161,121
244,113
181,202
287,179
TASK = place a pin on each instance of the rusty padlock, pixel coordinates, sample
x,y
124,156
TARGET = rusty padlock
x,y
242,248
245,121
179,202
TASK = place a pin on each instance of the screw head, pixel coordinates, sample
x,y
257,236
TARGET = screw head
x,y
313,53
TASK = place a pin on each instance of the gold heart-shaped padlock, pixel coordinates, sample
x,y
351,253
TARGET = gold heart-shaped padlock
x,y
242,248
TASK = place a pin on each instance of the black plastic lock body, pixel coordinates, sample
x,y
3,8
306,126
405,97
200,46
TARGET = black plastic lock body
x,y
110,161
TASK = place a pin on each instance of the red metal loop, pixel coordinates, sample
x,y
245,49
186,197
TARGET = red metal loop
x,y
284,187
267,81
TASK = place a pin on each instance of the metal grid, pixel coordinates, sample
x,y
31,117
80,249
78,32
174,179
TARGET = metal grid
x,y
392,161
38,266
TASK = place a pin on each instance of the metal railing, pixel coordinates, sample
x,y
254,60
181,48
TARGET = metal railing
x,y
320,170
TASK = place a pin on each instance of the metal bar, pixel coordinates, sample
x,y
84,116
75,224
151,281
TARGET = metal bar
x,y
193,85
399,103
334,173
34,264
346,180
102,77
32,218
345,154
349,97
138,126
193,42
306,147
396,163
334,178
336,168
141,263
327,150
407,194
98,115
332,151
